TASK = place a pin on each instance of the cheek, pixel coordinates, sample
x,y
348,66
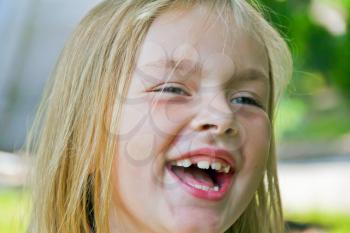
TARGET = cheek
x,y
255,148
256,142
169,115
134,135
146,130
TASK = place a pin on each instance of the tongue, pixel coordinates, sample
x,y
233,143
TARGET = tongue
x,y
194,175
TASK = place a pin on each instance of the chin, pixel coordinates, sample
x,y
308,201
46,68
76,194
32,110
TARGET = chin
x,y
190,223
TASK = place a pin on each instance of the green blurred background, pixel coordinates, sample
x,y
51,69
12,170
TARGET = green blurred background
x,y
318,98
313,126
315,111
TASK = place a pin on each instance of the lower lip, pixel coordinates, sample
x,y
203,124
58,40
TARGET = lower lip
x,y
209,195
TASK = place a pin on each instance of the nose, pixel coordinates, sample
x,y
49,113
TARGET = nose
x,y
217,128
217,118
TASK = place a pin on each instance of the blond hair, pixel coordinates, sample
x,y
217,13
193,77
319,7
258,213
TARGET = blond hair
x,y
71,136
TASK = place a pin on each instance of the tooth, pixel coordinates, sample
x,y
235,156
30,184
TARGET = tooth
x,y
186,163
183,163
216,166
203,164
201,187
227,169
179,163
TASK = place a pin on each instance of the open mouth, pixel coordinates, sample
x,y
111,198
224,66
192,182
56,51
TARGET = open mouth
x,y
203,177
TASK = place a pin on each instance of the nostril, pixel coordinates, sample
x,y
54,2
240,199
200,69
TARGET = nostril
x,y
207,126
232,131
220,130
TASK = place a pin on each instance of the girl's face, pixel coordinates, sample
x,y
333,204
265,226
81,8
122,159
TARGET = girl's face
x,y
216,88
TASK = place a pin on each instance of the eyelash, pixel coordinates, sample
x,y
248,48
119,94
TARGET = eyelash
x,y
248,100
173,88
243,99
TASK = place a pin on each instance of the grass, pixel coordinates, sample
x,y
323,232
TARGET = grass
x,y
13,210
14,213
333,222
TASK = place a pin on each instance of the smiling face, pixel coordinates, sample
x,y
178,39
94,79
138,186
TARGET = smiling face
x,y
215,94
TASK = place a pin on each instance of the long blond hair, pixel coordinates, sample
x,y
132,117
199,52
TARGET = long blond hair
x,y
71,136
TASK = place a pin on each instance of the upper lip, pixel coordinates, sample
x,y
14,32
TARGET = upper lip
x,y
211,152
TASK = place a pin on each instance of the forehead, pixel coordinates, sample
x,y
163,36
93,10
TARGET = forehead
x,y
200,34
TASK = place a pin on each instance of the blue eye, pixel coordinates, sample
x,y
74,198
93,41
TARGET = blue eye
x,y
246,100
172,89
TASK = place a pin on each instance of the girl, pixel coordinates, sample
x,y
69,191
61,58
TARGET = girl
x,y
158,118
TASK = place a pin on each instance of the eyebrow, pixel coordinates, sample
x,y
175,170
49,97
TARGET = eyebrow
x,y
247,75
250,75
